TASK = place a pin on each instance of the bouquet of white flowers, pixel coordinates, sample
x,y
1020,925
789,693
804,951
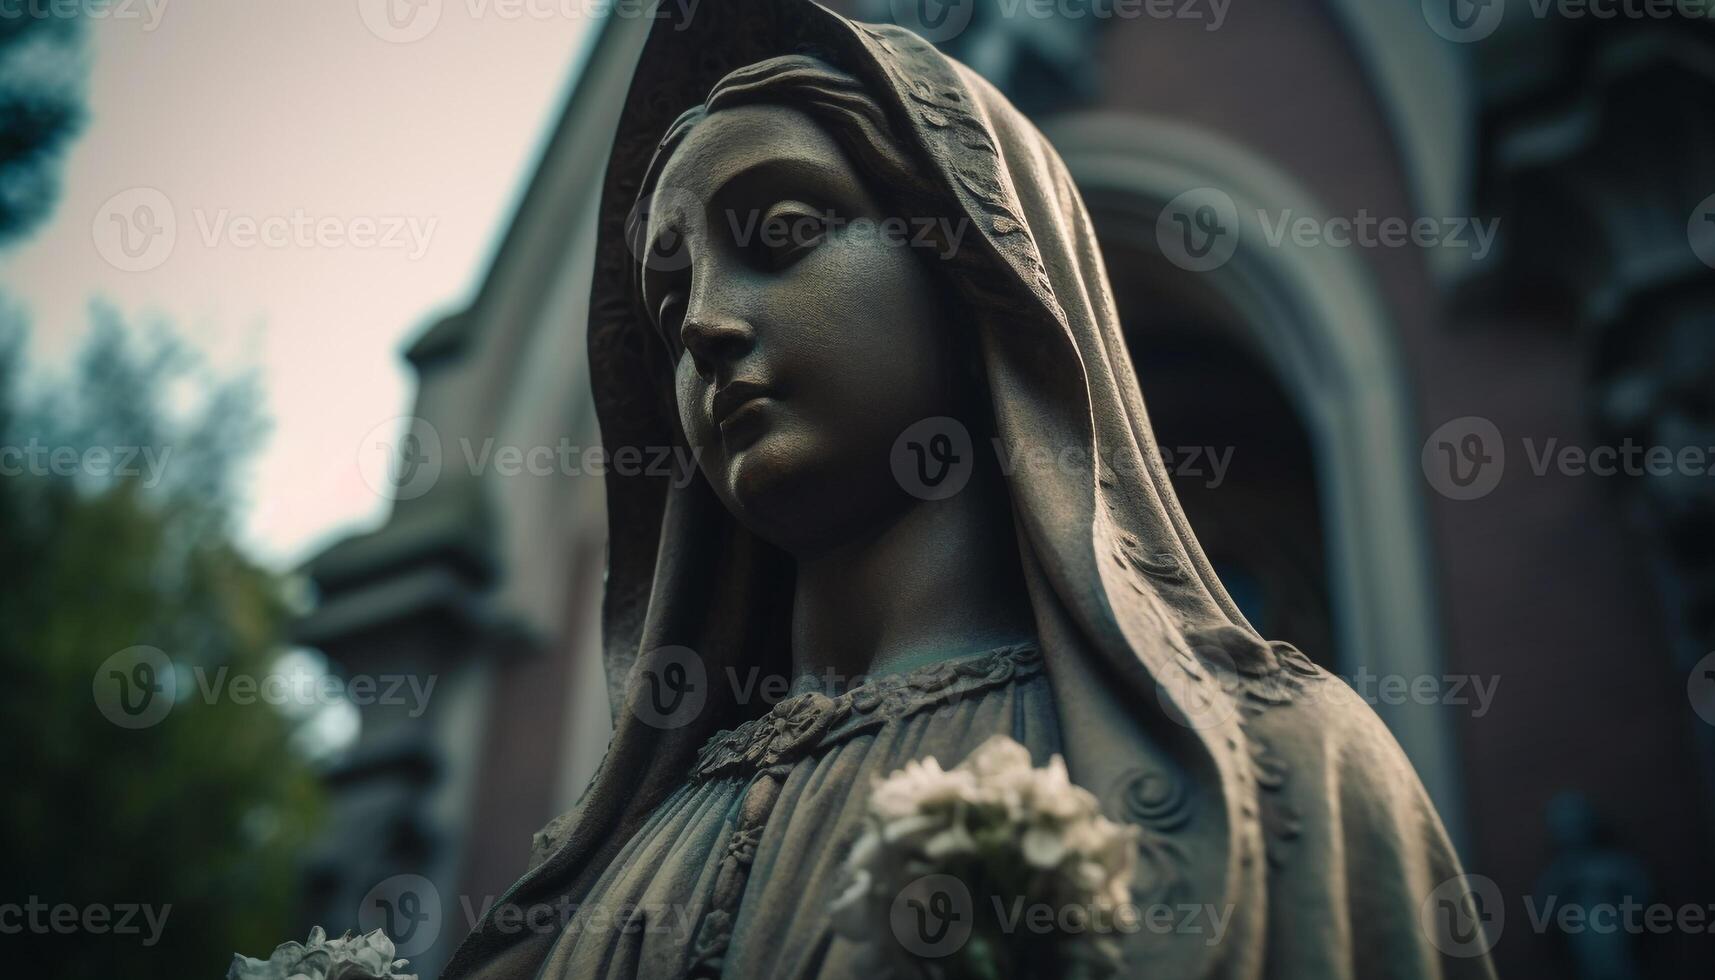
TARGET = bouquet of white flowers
x,y
992,869
365,957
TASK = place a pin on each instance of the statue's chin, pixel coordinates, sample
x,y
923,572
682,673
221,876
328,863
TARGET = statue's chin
x,y
770,495
784,497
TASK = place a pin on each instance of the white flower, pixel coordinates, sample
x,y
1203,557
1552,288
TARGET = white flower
x,y
1043,847
998,824
999,758
950,841
921,786
365,957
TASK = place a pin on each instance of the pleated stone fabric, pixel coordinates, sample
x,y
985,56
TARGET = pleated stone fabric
x,y
735,874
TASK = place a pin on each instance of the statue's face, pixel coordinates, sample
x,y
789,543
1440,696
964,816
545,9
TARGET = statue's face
x,y
806,338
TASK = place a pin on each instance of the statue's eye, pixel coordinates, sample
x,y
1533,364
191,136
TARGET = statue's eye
x,y
788,230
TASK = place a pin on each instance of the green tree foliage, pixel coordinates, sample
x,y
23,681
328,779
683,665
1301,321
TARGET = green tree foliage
x,y
42,77
205,810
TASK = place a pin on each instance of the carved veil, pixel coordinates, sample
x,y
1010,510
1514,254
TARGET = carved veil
x,y
1263,787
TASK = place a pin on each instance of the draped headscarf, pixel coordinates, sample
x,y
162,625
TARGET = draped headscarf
x,y
1265,791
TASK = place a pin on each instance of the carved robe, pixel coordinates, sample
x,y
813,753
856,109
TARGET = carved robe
x,y
1264,789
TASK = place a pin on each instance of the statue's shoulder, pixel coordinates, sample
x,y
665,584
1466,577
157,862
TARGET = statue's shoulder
x,y
1336,795
1301,719
549,839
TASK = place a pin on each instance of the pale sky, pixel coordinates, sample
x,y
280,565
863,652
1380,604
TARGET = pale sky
x,y
328,193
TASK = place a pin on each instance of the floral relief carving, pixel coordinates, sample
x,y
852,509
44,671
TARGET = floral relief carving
x,y
810,720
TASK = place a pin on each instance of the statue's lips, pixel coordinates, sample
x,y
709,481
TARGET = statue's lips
x,y
736,399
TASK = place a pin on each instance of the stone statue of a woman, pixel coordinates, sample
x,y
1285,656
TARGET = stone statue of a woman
x,y
853,280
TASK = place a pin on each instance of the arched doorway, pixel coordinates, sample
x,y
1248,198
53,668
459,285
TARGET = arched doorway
x,y
1238,452
1283,352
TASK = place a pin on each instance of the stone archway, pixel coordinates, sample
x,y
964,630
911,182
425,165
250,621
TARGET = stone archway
x,y
1314,316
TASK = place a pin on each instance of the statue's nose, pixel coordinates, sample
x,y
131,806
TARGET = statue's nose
x,y
715,340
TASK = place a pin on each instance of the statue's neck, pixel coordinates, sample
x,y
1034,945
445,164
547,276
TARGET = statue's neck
x,y
940,581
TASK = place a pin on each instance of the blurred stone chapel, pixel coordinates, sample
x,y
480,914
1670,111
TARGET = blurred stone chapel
x,y
1581,603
